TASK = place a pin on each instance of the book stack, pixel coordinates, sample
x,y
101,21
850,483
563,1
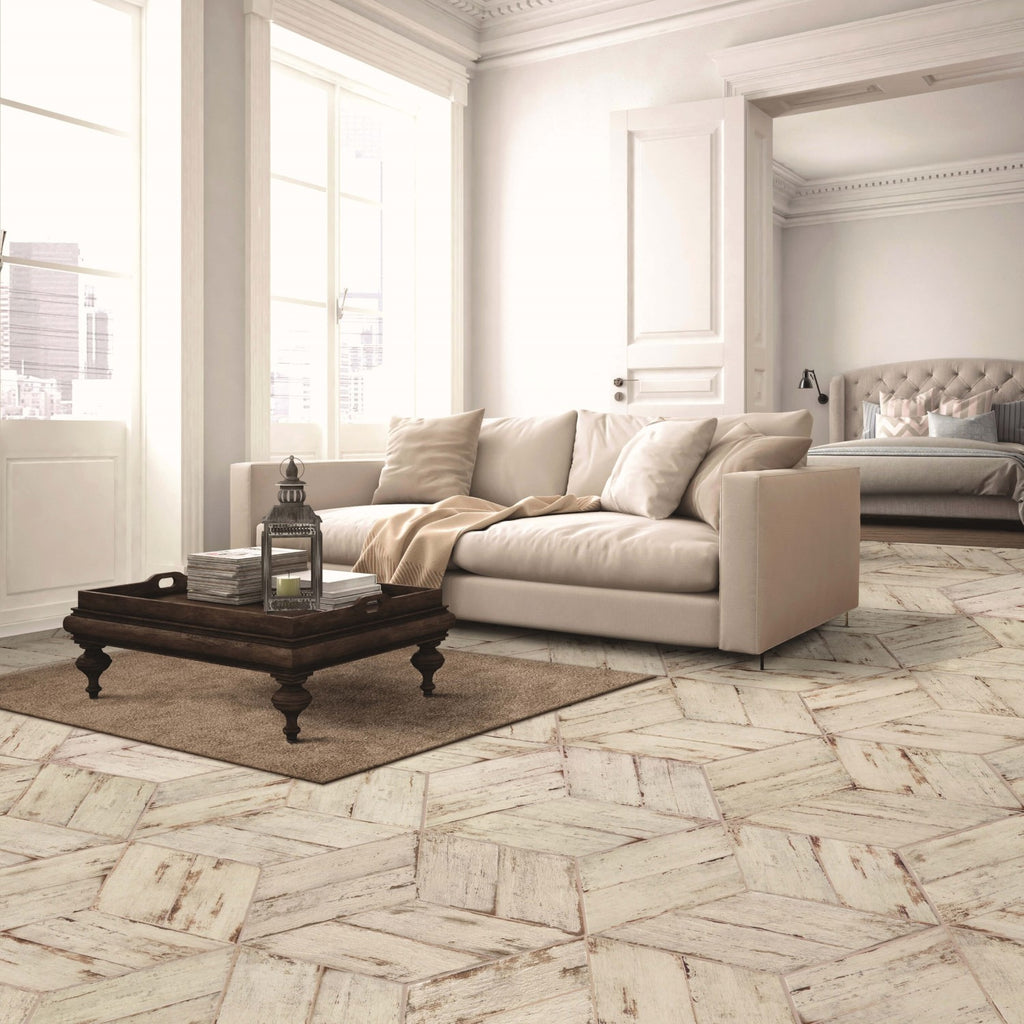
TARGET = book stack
x,y
341,589
234,576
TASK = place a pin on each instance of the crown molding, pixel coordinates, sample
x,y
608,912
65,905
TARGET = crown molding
x,y
981,182
920,40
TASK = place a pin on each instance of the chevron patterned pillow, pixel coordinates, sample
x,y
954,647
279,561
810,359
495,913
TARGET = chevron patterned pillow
x,y
901,426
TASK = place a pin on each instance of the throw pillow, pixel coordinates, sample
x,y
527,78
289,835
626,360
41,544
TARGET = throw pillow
x,y
972,405
901,426
869,414
428,459
600,437
654,467
1009,420
918,405
971,428
704,491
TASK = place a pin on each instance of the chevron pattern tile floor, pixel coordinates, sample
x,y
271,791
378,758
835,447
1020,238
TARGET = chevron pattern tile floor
x,y
838,838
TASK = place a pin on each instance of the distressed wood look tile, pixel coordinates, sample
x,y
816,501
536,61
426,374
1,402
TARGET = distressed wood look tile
x,y
631,656
709,741
141,992
185,892
994,595
998,964
1009,763
227,842
106,805
456,871
492,785
536,886
38,889
956,636
1009,632
572,1007
972,872
38,839
727,994
312,826
602,816
776,777
141,761
484,935
744,705
266,989
783,863
30,738
854,705
345,947
81,743
906,981
355,997
600,716
329,885
540,729
15,778
1007,923
507,985
947,730
384,795
654,875
905,599
966,778
675,788
623,989
960,691
880,819
16,1004
202,1010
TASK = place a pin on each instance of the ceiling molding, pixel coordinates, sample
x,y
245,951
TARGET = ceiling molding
x,y
981,182
922,40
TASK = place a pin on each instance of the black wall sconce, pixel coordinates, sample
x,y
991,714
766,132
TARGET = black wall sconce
x,y
805,382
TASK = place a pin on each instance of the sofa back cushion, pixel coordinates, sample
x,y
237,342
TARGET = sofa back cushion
x,y
797,423
428,459
600,437
519,456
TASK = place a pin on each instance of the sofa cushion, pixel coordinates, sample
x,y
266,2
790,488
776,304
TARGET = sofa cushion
x,y
797,423
428,459
344,529
600,436
654,467
596,549
520,456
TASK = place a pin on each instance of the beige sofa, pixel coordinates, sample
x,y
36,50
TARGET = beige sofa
x,y
786,558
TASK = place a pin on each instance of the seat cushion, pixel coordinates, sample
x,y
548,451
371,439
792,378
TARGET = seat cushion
x,y
344,529
596,549
521,456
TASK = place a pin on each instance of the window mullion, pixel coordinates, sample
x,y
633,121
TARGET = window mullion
x,y
331,396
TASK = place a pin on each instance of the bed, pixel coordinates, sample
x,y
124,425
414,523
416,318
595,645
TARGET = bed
x,y
952,477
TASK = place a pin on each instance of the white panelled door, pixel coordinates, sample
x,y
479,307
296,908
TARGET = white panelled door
x,y
692,194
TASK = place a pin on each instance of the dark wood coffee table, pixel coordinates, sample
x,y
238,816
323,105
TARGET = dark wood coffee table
x,y
156,616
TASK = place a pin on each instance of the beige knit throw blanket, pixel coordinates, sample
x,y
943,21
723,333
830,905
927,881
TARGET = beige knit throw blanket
x,y
412,548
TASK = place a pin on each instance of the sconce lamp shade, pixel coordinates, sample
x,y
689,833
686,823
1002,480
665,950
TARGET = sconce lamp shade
x,y
806,380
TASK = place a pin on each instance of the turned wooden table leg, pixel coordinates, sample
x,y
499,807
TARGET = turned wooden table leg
x,y
93,663
291,699
427,660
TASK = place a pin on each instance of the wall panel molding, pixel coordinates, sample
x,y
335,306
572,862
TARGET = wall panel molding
x,y
981,182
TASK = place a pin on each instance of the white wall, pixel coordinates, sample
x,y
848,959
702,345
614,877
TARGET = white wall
x,y
543,274
917,286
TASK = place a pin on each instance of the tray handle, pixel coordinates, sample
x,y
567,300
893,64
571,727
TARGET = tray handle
x,y
161,583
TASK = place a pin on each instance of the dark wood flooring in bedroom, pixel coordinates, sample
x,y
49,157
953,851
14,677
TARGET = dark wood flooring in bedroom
x,y
969,533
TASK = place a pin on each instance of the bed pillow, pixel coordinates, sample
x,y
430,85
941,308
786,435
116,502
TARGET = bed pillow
x,y
427,460
737,452
972,405
869,413
1009,420
901,426
921,403
654,467
971,428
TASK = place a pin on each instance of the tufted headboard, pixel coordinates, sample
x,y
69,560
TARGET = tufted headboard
x,y
956,378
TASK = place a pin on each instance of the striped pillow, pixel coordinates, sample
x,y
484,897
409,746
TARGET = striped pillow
x,y
1010,420
901,426
868,415
919,405
972,405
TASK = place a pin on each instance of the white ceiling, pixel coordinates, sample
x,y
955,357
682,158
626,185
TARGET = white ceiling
x,y
941,127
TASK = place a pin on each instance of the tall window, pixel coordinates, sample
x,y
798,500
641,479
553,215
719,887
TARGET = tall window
x,y
69,202
360,249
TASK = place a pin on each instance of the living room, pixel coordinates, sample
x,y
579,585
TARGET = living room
x,y
827,834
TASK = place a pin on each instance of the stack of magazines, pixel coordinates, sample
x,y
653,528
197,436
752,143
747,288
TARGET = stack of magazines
x,y
234,576
340,589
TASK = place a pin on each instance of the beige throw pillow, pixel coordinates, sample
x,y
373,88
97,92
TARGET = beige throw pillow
x,y
654,467
973,405
428,459
740,450
901,426
921,404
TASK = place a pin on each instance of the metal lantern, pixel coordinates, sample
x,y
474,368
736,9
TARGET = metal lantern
x,y
291,520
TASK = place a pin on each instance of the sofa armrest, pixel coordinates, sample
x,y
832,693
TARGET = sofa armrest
x,y
329,484
790,554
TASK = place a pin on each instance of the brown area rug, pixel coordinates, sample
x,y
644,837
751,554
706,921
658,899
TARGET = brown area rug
x,y
364,714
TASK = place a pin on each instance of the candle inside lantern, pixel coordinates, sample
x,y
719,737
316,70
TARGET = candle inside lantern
x,y
288,586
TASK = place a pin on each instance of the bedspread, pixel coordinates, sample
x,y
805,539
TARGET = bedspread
x,y
930,465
